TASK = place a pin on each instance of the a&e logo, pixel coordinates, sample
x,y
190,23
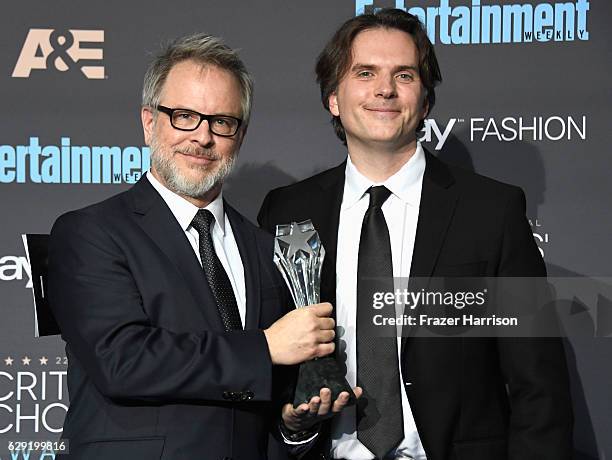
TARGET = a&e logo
x,y
62,50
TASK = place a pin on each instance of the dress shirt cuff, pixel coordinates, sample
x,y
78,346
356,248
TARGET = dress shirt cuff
x,y
299,438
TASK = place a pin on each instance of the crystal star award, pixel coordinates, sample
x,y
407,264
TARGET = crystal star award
x,y
298,254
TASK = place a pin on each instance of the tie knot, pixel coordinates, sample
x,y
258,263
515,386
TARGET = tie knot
x,y
378,195
202,220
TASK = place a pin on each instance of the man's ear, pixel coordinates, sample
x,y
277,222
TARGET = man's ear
x,y
332,102
148,121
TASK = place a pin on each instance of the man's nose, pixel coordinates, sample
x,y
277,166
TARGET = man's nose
x,y
386,87
202,134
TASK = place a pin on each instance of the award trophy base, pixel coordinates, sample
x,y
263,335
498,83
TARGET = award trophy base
x,y
321,373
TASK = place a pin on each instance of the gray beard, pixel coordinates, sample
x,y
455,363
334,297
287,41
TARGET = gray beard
x,y
162,162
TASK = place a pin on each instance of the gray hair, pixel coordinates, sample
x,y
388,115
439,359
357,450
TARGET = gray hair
x,y
206,50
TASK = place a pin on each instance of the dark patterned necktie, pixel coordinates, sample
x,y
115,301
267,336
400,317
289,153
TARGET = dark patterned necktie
x,y
380,425
218,280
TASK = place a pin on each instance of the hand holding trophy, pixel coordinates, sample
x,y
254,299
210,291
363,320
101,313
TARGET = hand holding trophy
x,y
298,254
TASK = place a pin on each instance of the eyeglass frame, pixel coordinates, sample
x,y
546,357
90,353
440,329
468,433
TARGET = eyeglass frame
x,y
169,111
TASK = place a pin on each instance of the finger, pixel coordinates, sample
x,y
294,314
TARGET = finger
x,y
293,418
324,349
323,309
358,391
313,405
325,395
301,410
340,402
288,410
326,323
326,336
291,414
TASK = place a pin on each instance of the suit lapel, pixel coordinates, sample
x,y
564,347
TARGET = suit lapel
x,y
438,202
326,219
247,246
158,222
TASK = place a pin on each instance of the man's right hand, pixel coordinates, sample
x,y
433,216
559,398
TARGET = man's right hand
x,y
302,334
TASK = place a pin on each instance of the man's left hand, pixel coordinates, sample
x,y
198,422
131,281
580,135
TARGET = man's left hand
x,y
319,408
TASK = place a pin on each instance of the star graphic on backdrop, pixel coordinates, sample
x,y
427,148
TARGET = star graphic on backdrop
x,y
26,361
43,361
8,361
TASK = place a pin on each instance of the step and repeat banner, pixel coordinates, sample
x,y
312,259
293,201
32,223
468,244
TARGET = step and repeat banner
x,y
526,99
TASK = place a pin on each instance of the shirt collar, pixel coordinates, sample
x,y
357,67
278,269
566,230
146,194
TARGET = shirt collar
x,y
183,210
404,184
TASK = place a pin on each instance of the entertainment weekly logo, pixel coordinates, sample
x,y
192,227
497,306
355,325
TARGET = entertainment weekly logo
x,y
65,163
552,128
63,50
486,23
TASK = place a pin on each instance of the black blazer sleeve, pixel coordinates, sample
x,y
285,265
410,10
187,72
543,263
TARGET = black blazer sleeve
x,y
541,419
99,309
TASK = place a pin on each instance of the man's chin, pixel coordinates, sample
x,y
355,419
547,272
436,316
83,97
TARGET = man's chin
x,y
386,140
391,137
198,175
197,191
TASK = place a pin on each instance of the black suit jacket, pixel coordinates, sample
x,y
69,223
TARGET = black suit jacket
x,y
472,398
151,372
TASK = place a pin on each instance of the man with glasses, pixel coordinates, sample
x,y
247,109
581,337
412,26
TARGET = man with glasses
x,y
174,315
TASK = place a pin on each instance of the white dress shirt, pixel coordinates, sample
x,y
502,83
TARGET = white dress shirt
x,y
401,211
222,236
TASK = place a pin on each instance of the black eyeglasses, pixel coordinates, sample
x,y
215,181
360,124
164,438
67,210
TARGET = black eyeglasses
x,y
190,120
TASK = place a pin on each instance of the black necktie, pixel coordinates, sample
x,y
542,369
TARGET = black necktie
x,y
215,273
380,425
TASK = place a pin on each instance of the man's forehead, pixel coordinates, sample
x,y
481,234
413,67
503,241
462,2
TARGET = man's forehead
x,y
374,43
188,73
199,69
